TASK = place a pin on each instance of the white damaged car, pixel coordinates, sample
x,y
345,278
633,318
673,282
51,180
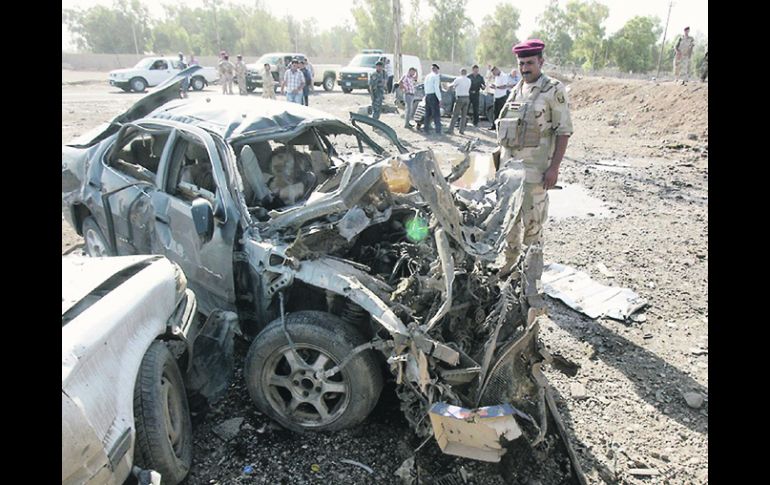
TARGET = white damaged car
x,y
128,329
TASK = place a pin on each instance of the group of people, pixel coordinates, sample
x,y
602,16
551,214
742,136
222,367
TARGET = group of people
x,y
683,50
296,81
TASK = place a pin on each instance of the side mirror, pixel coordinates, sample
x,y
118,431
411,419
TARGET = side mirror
x,y
203,218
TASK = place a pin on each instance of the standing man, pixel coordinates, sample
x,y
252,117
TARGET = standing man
x,y
389,72
377,83
684,47
308,82
705,74
477,85
186,81
408,82
432,85
240,74
268,84
534,128
501,85
226,70
461,86
293,82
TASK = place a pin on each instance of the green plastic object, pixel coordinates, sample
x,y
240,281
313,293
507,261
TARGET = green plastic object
x,y
416,229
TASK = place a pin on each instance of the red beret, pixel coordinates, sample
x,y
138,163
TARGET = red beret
x,y
528,48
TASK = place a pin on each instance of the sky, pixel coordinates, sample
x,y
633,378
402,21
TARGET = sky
x,y
692,13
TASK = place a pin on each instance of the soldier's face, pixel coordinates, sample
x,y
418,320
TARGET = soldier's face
x,y
475,70
530,68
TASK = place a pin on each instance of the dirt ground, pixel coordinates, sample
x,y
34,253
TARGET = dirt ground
x,y
640,149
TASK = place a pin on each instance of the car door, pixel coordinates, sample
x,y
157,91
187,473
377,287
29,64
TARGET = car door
x,y
206,258
160,70
126,178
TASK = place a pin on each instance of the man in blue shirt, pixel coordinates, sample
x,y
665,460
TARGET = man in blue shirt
x,y
433,99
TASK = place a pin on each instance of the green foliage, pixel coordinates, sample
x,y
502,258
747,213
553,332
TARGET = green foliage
x,y
585,27
634,47
414,33
554,31
374,24
110,30
497,36
447,29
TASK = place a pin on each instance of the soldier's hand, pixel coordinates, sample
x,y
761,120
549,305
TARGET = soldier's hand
x,y
550,178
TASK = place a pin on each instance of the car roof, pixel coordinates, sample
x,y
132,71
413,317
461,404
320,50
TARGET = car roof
x,y
235,118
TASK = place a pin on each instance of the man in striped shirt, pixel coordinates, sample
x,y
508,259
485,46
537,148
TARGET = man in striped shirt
x,y
293,82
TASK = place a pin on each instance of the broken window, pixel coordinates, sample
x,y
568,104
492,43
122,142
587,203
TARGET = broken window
x,y
139,154
191,174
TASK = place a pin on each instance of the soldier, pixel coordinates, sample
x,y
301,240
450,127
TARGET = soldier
x,y
377,84
533,130
240,74
684,47
186,81
268,84
226,69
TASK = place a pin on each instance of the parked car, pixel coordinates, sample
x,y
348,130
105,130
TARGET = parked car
x,y
152,71
323,74
129,327
356,74
343,258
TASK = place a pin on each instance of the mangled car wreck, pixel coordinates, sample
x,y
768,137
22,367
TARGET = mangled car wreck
x,y
340,257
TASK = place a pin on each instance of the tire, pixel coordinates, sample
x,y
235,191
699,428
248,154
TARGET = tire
x,y
162,416
276,380
347,90
138,84
197,83
328,83
96,244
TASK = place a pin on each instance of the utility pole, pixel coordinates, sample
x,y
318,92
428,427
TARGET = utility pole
x,y
663,42
397,34
133,31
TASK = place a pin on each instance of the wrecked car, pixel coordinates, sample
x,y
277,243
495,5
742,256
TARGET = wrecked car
x,y
129,325
343,258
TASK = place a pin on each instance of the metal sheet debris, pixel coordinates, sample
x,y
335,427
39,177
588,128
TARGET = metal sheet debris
x,y
578,291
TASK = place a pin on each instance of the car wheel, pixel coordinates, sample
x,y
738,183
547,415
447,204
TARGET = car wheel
x,y
286,387
95,242
197,83
162,416
138,84
347,90
329,83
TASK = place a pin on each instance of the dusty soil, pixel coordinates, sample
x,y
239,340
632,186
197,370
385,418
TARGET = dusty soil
x,y
639,147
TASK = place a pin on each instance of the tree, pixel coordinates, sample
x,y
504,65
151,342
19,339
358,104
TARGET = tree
x,y
554,32
447,29
415,32
124,27
585,27
498,36
633,47
374,24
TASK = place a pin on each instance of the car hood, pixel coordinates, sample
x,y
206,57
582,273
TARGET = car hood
x,y
354,70
164,92
82,275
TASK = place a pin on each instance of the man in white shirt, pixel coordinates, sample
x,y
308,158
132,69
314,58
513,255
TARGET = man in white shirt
x,y
432,85
462,87
501,85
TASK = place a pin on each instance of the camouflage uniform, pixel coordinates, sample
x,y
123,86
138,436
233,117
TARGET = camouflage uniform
x,y
683,49
268,84
226,69
524,168
377,83
240,73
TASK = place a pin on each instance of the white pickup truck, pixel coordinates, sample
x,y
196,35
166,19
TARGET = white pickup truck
x,y
152,71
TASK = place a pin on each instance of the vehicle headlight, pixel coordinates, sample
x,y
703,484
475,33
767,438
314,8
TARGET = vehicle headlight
x,y
396,177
